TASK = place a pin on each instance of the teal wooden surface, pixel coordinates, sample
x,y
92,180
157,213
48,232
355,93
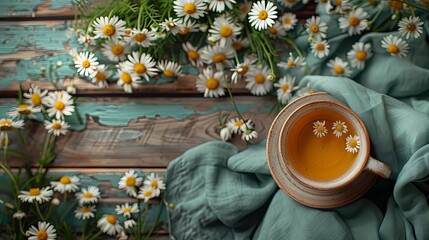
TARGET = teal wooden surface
x,y
29,7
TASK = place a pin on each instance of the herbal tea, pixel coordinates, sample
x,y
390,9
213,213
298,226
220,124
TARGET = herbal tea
x,y
322,145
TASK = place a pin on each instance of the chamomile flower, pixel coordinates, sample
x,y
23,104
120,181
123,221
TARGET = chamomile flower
x,y
276,30
218,55
316,28
319,129
169,69
320,49
60,104
85,39
352,143
240,43
355,21
35,96
156,183
395,5
236,125
130,223
85,212
189,8
129,182
224,30
112,28
89,195
339,67
186,27
249,134
395,46
57,127
244,8
342,6
170,25
211,83
262,15
241,69
40,195
126,209
18,215
127,80
101,75
115,50
339,128
293,62
143,37
289,21
304,91
66,184
285,86
193,54
359,54
258,81
146,193
219,5
43,231
411,26
86,63
24,111
142,65
109,224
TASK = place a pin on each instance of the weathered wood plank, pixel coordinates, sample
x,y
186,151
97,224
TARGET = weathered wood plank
x,y
148,132
36,8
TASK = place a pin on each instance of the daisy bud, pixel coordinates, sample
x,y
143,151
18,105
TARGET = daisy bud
x,y
56,201
19,215
42,69
271,76
59,64
129,223
225,134
171,205
71,89
310,40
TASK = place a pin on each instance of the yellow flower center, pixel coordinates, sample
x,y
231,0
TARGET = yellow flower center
x,y
88,195
353,143
393,49
86,64
339,3
42,235
218,58
291,64
237,46
85,210
339,128
238,123
411,27
285,88
190,8
111,219
320,128
263,15
244,9
148,193
34,192
100,76
320,47
361,55
260,78
5,123
109,30
117,49
130,181
314,28
184,31
36,100
323,1
272,30
23,109
168,73
127,210
287,21
212,83
225,31
354,21
56,126
194,55
127,32
140,68
396,5
59,105
140,37
338,70
126,78
243,70
65,180
154,184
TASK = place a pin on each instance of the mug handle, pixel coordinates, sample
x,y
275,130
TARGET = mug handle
x,y
377,167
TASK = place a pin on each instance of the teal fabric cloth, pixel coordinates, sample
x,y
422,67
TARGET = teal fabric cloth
x,y
220,193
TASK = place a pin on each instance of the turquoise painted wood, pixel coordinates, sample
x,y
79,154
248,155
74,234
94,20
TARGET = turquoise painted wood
x,y
29,7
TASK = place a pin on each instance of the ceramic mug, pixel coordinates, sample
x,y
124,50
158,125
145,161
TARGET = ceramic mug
x,y
324,145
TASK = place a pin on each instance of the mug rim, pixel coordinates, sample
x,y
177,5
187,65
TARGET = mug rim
x,y
310,184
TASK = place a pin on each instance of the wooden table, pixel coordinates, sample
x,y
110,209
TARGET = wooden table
x,y
145,130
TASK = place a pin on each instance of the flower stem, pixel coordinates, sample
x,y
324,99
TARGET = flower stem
x,y
21,228
38,211
9,173
157,218
95,236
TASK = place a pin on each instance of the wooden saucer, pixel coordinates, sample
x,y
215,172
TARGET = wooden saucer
x,y
305,195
